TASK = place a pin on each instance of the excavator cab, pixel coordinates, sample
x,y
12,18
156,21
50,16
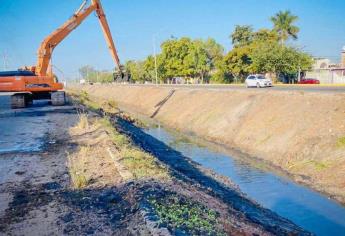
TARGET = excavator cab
x,y
24,86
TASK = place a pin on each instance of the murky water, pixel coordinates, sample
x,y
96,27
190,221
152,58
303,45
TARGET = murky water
x,y
301,205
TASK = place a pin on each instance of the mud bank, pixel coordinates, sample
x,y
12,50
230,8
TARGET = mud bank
x,y
300,133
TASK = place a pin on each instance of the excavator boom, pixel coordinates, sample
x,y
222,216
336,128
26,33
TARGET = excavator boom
x,y
106,31
47,46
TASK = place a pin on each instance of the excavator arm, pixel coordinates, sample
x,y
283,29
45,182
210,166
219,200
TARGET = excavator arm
x,y
38,82
106,32
47,46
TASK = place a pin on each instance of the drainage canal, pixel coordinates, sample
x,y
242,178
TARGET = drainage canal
x,y
305,207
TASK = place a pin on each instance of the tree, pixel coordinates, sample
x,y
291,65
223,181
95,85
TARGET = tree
x,y
242,35
214,50
188,58
199,58
265,35
215,57
260,51
150,67
221,73
280,60
283,24
105,76
174,58
91,75
239,61
182,57
88,73
136,70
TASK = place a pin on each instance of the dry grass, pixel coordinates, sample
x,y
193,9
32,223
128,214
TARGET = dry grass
x,y
76,164
142,165
341,142
138,162
92,165
93,104
83,121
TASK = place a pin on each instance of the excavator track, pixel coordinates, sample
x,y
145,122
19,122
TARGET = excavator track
x,y
21,100
58,98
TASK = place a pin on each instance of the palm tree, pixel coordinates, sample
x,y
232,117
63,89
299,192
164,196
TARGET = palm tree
x,y
283,25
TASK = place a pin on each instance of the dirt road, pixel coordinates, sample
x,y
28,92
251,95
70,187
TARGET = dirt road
x,y
32,171
57,177
229,87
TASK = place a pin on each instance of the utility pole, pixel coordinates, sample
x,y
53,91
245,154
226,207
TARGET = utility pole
x,y
299,65
299,73
87,75
5,60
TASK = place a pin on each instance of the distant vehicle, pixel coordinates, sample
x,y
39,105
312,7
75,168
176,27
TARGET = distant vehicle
x,y
309,81
258,81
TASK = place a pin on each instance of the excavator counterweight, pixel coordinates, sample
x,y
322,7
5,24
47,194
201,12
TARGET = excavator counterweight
x,y
37,82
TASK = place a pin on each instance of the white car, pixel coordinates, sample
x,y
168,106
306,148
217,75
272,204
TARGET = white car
x,y
258,81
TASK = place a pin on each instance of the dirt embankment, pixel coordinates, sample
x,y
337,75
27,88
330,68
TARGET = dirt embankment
x,y
300,132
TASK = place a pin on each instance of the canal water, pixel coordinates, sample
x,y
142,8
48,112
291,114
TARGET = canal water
x,y
305,207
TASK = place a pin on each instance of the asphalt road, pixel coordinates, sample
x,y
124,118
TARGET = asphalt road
x,y
305,88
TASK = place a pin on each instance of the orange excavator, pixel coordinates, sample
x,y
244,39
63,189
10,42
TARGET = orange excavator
x,y
39,82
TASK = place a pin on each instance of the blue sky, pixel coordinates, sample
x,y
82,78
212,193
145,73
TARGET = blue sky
x,y
25,23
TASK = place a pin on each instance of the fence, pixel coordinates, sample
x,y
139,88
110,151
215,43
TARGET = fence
x,y
328,76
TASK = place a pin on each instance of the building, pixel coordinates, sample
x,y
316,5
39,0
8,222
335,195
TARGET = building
x,y
328,72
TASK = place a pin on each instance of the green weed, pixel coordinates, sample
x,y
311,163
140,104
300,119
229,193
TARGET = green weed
x,y
318,165
84,96
141,164
105,122
119,140
182,214
341,142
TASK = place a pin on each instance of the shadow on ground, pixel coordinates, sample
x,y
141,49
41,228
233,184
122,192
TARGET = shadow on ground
x,y
159,105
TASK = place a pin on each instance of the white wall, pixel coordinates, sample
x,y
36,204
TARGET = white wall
x,y
327,76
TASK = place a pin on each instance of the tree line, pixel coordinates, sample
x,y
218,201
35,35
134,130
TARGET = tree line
x,y
205,61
